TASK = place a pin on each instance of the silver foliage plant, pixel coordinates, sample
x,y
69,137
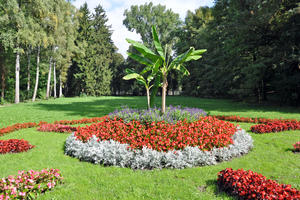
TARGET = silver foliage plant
x,y
114,153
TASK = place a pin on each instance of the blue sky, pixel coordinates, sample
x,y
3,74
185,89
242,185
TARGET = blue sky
x,y
115,9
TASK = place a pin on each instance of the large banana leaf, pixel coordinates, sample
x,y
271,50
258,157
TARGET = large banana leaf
x,y
156,66
180,59
136,76
143,50
199,52
182,69
140,59
157,43
196,55
193,58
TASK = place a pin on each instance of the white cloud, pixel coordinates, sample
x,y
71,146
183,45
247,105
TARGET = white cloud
x,y
115,9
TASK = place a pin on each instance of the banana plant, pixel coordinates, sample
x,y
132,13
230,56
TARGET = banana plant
x,y
164,61
146,81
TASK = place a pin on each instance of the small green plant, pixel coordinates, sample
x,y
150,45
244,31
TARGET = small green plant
x,y
146,81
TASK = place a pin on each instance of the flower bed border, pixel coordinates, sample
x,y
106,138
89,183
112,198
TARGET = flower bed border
x,y
58,128
29,184
18,126
265,125
14,146
254,128
117,154
251,185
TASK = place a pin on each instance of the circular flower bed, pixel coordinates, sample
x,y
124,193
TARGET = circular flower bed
x,y
14,146
206,133
158,144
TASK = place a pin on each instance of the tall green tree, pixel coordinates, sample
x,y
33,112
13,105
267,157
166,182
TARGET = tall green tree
x,y
91,68
141,18
14,23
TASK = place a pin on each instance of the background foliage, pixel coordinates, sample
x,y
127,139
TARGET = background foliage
x,y
253,49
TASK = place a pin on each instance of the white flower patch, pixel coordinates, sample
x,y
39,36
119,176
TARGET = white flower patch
x,y
114,153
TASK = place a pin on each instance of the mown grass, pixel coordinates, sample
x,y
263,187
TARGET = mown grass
x,y
271,156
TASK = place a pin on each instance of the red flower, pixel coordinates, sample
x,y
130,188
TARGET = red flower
x,y
206,133
14,146
251,185
297,147
56,128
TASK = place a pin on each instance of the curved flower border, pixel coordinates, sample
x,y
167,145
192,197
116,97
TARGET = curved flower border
x,y
117,154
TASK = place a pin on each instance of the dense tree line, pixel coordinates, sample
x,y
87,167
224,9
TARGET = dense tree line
x,y
252,48
50,49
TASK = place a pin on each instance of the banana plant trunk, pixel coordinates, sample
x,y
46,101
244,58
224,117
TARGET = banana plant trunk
x,y
164,94
148,98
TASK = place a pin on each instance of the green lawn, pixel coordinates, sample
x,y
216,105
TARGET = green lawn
x,y
271,156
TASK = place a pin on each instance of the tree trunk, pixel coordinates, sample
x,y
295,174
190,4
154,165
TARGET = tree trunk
x,y
2,82
54,78
28,71
164,93
37,74
17,88
148,98
60,87
49,79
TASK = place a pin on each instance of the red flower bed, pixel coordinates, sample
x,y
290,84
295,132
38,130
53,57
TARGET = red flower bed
x,y
15,127
253,120
14,146
265,125
28,185
275,127
251,185
297,147
56,128
18,126
206,133
81,121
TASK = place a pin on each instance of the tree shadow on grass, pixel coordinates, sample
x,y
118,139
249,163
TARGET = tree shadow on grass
x,y
217,192
95,107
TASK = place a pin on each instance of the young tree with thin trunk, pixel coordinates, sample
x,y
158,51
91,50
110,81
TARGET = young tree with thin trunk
x,y
54,79
49,78
60,87
17,82
37,73
131,74
28,69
